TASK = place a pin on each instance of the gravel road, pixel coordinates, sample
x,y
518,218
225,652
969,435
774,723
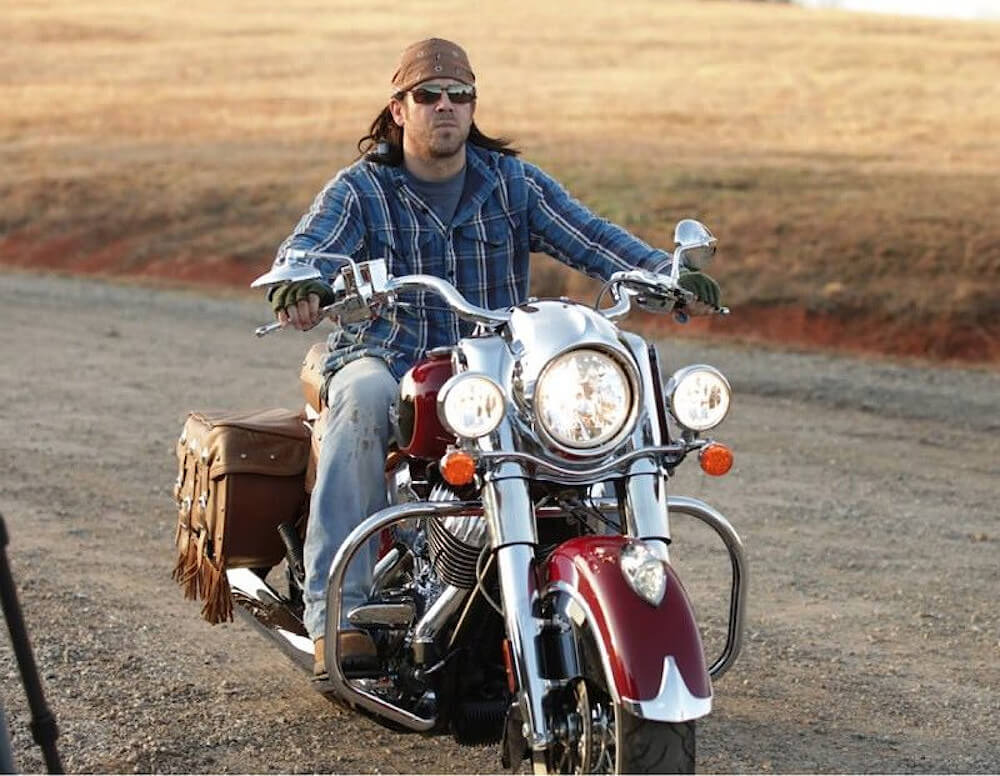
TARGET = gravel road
x,y
866,493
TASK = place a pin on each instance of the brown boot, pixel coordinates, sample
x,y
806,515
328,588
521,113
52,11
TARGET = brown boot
x,y
357,652
319,658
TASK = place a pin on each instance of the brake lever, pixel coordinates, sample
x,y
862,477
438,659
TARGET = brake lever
x,y
683,316
267,328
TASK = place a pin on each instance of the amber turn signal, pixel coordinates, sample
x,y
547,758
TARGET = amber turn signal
x,y
458,467
715,459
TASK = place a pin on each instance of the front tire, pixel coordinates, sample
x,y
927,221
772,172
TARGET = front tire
x,y
645,746
599,736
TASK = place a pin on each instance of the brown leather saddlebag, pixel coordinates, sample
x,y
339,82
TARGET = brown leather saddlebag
x,y
312,377
241,474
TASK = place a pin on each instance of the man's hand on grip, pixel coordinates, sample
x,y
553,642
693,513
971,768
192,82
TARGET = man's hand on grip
x,y
299,303
706,292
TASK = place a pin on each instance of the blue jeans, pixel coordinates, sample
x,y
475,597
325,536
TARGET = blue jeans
x,y
350,484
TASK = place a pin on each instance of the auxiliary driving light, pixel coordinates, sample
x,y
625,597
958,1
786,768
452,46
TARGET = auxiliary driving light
x,y
699,397
471,405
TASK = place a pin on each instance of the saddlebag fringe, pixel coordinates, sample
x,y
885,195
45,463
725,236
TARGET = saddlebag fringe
x,y
186,569
240,476
214,589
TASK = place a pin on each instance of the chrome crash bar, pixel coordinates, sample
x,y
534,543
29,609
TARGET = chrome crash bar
x,y
737,599
355,540
391,515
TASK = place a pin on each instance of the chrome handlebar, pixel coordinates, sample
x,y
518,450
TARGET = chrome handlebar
x,y
363,288
462,306
654,293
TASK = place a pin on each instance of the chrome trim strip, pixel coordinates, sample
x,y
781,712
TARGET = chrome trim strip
x,y
539,465
737,600
673,702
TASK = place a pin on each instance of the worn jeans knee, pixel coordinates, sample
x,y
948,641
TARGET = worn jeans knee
x,y
350,483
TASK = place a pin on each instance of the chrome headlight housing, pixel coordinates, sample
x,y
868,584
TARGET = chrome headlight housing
x,y
583,399
699,397
470,405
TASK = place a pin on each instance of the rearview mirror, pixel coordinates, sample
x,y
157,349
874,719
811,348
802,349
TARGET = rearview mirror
x,y
287,272
695,243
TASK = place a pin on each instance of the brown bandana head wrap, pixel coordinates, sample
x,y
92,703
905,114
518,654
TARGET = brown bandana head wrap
x,y
432,58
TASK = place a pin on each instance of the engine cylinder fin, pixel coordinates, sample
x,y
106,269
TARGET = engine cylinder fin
x,y
455,542
453,560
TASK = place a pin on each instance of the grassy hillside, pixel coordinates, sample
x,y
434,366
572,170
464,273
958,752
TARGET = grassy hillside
x,y
848,163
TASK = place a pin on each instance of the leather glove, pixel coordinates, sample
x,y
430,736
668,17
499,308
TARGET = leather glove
x,y
290,294
704,288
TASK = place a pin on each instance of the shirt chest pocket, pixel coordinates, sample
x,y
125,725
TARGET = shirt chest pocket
x,y
494,230
407,252
492,245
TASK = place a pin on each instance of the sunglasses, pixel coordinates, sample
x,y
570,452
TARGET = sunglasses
x,y
460,94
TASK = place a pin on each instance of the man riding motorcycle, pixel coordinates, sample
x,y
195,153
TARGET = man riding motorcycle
x,y
432,195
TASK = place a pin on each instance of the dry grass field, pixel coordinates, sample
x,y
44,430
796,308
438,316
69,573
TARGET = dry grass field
x,y
848,163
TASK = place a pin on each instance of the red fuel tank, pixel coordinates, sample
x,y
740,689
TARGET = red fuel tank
x,y
419,432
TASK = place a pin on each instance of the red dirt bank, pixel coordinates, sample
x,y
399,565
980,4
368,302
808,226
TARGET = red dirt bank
x,y
940,340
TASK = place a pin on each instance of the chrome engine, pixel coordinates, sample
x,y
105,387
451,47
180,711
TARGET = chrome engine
x,y
455,543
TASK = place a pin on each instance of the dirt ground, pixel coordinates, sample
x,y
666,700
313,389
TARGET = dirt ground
x,y
865,491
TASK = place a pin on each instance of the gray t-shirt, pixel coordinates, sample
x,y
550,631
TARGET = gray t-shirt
x,y
442,196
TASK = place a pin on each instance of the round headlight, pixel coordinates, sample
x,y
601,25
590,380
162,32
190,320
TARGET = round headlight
x,y
470,405
700,397
583,399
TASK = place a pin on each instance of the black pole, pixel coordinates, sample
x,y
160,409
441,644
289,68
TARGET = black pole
x,y
43,724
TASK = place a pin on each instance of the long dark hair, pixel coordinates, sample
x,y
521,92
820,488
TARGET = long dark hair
x,y
384,142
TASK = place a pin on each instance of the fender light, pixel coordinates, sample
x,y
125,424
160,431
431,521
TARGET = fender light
x,y
716,459
457,467
645,573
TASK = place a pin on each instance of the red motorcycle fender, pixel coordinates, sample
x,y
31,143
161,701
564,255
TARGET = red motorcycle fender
x,y
652,655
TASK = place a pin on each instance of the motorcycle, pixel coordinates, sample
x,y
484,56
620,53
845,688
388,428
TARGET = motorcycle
x,y
524,593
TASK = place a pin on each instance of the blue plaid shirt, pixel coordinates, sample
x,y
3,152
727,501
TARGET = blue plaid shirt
x,y
508,209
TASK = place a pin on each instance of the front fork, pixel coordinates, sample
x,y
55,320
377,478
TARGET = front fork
x,y
511,520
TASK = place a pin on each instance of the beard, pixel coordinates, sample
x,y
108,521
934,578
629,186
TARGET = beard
x,y
446,143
